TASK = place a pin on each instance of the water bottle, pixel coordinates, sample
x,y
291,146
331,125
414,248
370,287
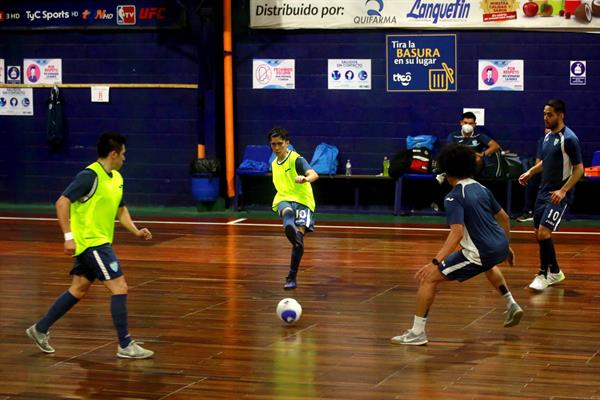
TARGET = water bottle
x,y
386,166
348,168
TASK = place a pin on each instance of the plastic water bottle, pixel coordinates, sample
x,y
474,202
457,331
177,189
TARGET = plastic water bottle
x,y
348,168
386,166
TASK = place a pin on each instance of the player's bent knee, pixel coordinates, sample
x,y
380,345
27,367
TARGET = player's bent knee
x,y
286,211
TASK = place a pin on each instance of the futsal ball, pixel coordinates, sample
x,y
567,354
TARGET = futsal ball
x,y
289,310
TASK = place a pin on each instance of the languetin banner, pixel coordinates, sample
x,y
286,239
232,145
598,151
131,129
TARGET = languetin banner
x,y
576,15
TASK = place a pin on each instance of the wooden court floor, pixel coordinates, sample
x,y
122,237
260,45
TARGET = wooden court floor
x,y
203,295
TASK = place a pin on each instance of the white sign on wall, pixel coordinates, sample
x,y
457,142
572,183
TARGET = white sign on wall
x,y
13,74
100,94
577,73
273,74
16,102
1,70
501,75
349,74
42,71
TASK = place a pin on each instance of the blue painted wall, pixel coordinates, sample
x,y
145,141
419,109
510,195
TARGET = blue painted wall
x,y
162,125
366,125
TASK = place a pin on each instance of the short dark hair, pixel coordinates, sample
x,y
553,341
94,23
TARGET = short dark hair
x,y
458,161
110,141
557,105
469,115
280,133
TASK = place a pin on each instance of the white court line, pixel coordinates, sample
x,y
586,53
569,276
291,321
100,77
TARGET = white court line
x,y
236,221
342,227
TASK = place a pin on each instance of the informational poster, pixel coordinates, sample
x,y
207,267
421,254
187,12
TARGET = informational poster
x,y
100,94
42,71
273,74
1,70
501,75
16,102
349,74
421,63
577,73
13,74
564,15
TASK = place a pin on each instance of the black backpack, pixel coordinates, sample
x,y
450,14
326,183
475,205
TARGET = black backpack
x,y
56,129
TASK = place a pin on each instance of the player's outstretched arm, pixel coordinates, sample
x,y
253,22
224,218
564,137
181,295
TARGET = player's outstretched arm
x,y
125,220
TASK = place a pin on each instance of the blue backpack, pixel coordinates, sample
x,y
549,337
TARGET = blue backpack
x,y
324,160
420,141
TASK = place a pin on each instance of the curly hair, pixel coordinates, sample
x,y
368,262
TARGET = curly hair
x,y
458,161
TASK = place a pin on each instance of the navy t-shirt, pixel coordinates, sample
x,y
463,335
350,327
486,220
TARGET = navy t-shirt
x,y
558,152
477,141
472,205
83,187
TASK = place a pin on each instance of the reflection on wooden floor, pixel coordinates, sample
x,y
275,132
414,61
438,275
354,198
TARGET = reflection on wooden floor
x,y
204,297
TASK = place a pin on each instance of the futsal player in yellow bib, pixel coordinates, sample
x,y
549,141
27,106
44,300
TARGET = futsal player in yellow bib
x,y
86,213
294,201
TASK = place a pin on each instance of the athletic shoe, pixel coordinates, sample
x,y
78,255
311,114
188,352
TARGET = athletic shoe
x,y
528,216
134,350
555,278
290,284
40,339
290,233
539,283
410,338
513,315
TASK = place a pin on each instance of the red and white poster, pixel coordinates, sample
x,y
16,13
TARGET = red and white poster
x,y
42,71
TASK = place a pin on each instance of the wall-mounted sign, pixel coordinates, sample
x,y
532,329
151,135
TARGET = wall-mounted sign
x,y
100,94
577,73
273,74
1,70
501,75
42,71
16,102
349,74
421,63
13,74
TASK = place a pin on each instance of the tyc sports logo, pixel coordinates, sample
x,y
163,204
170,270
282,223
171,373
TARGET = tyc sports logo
x,y
126,15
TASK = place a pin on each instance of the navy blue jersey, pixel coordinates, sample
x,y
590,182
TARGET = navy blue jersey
x,y
558,152
472,205
477,141
83,187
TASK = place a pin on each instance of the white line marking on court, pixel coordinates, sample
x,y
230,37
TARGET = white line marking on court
x,y
236,221
342,227
183,388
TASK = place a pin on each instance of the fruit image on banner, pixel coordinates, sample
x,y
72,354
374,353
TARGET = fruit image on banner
x,y
499,10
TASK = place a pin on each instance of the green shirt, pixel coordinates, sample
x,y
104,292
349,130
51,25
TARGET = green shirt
x,y
93,216
284,176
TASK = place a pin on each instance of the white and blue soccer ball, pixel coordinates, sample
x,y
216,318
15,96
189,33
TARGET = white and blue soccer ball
x,y
289,310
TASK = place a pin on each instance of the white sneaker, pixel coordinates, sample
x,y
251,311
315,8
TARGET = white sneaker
x,y
410,338
539,283
555,278
513,315
40,339
134,350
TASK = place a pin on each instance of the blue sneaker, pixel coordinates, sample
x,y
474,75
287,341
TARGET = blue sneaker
x,y
290,284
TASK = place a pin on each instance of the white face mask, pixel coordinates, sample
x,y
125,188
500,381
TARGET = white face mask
x,y
466,128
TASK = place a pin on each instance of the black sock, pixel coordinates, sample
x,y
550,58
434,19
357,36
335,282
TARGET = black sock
x,y
547,248
543,259
61,305
503,290
297,253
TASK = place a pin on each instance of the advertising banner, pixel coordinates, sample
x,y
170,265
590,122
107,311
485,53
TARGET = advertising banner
x,y
16,102
42,71
576,15
501,75
421,63
273,74
100,14
349,74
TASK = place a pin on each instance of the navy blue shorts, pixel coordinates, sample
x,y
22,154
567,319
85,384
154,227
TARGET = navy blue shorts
x,y
457,267
547,214
97,262
304,217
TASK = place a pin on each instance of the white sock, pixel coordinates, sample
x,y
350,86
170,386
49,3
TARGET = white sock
x,y
419,325
509,299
